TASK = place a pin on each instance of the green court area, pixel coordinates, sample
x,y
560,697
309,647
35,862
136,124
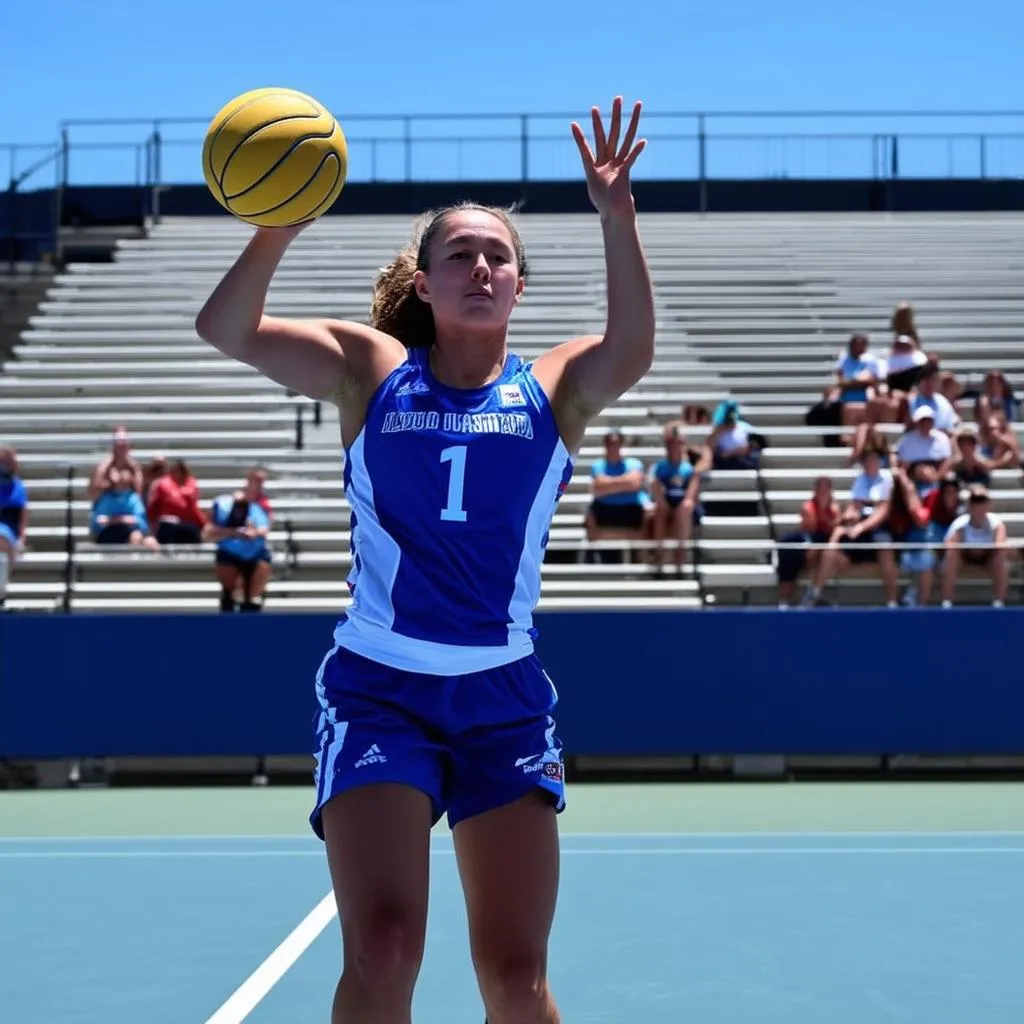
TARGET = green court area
x,y
593,807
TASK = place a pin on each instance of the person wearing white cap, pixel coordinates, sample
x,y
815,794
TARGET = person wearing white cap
x,y
924,443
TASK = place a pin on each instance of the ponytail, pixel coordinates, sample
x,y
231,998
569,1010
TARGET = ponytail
x,y
397,309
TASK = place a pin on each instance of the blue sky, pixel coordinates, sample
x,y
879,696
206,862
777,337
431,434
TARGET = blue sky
x,y
131,59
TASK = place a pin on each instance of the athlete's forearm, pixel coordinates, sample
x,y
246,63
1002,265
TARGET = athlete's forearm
x,y
629,331
231,316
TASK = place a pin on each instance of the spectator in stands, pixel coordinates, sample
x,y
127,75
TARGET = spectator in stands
x,y
156,470
915,496
996,396
903,366
674,484
927,395
924,443
999,444
904,321
621,508
118,514
969,465
819,517
13,516
863,522
173,506
948,507
970,541
120,457
952,390
256,479
732,440
858,375
240,528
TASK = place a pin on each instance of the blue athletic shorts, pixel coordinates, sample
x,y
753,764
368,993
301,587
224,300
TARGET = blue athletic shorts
x,y
471,742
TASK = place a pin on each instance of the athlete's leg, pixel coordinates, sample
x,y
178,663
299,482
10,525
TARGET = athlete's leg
x,y
378,850
508,860
507,785
379,788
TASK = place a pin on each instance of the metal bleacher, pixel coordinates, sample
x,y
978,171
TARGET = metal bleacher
x,y
753,307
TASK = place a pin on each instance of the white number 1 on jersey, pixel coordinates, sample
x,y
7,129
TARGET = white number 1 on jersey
x,y
453,512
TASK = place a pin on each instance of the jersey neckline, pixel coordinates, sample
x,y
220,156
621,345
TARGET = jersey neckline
x,y
466,394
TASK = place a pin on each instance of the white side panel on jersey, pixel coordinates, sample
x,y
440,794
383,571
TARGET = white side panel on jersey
x,y
527,589
378,551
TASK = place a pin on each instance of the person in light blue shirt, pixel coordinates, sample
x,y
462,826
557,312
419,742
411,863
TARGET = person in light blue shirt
x,y
858,372
675,486
621,508
240,527
119,515
927,396
13,515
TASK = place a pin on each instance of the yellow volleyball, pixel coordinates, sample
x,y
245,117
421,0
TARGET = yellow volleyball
x,y
275,157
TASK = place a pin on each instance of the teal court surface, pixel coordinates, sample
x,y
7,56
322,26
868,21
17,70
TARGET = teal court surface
x,y
715,904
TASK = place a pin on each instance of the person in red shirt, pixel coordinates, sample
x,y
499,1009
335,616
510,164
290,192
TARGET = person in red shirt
x,y
920,513
819,516
173,507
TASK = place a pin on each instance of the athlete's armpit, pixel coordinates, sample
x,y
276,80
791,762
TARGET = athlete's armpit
x,y
557,373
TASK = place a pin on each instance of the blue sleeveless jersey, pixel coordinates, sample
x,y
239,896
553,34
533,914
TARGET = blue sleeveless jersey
x,y
452,493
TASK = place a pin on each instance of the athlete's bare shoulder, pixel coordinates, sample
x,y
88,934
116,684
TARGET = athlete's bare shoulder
x,y
370,355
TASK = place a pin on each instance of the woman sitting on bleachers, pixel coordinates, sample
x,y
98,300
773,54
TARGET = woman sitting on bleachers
x,y
862,533
621,508
13,515
999,444
912,520
969,465
674,484
997,396
173,506
733,443
819,517
240,527
977,538
118,514
902,366
858,374
120,458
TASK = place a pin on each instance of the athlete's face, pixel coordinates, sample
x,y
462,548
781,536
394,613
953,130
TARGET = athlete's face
x,y
473,278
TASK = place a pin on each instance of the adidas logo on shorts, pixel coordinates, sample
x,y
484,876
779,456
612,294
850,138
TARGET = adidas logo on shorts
x,y
372,756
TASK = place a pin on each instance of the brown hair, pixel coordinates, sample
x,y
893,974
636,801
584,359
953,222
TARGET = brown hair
x,y
397,309
12,458
904,322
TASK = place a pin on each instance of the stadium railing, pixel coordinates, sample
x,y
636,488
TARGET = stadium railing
x,y
152,153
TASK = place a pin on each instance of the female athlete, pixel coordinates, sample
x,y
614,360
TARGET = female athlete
x,y
456,453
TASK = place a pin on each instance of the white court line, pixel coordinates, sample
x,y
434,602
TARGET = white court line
x,y
622,851
248,995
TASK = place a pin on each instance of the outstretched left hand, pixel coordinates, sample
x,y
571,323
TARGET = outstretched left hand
x,y
607,166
